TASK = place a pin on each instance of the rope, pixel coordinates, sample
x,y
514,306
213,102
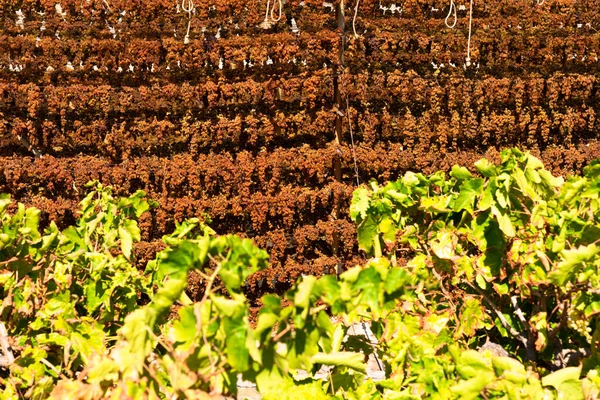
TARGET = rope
x,y
468,60
266,24
190,8
450,12
267,12
273,9
354,18
270,19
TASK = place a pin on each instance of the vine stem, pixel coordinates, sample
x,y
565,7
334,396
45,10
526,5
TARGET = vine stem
x,y
282,333
443,287
563,319
519,335
518,310
198,314
211,280
53,368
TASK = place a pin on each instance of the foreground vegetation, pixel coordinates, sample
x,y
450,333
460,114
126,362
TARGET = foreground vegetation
x,y
508,255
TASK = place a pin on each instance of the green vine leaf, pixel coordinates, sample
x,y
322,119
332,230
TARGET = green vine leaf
x,y
566,382
573,261
342,358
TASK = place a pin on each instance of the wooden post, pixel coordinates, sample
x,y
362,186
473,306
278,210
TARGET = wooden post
x,y
337,161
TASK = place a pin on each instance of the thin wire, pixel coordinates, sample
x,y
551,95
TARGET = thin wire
x,y
352,141
468,60
354,18
280,11
350,128
452,7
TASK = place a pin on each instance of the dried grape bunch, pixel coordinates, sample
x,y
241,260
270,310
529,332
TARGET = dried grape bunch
x,y
209,112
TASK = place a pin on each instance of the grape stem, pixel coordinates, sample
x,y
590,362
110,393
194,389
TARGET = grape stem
x,y
518,335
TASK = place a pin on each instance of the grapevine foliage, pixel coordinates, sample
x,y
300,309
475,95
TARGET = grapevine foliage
x,y
507,255
513,252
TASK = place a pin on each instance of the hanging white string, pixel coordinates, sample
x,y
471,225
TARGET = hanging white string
x,y
354,18
540,3
190,8
468,60
280,11
266,24
267,12
451,11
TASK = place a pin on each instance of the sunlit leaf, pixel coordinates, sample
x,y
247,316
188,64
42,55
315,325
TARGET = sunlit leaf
x,y
342,358
566,382
573,260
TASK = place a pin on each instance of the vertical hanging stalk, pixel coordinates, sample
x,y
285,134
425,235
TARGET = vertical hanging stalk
x,y
337,161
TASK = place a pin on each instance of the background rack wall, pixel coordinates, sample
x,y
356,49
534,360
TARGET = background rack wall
x,y
239,123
